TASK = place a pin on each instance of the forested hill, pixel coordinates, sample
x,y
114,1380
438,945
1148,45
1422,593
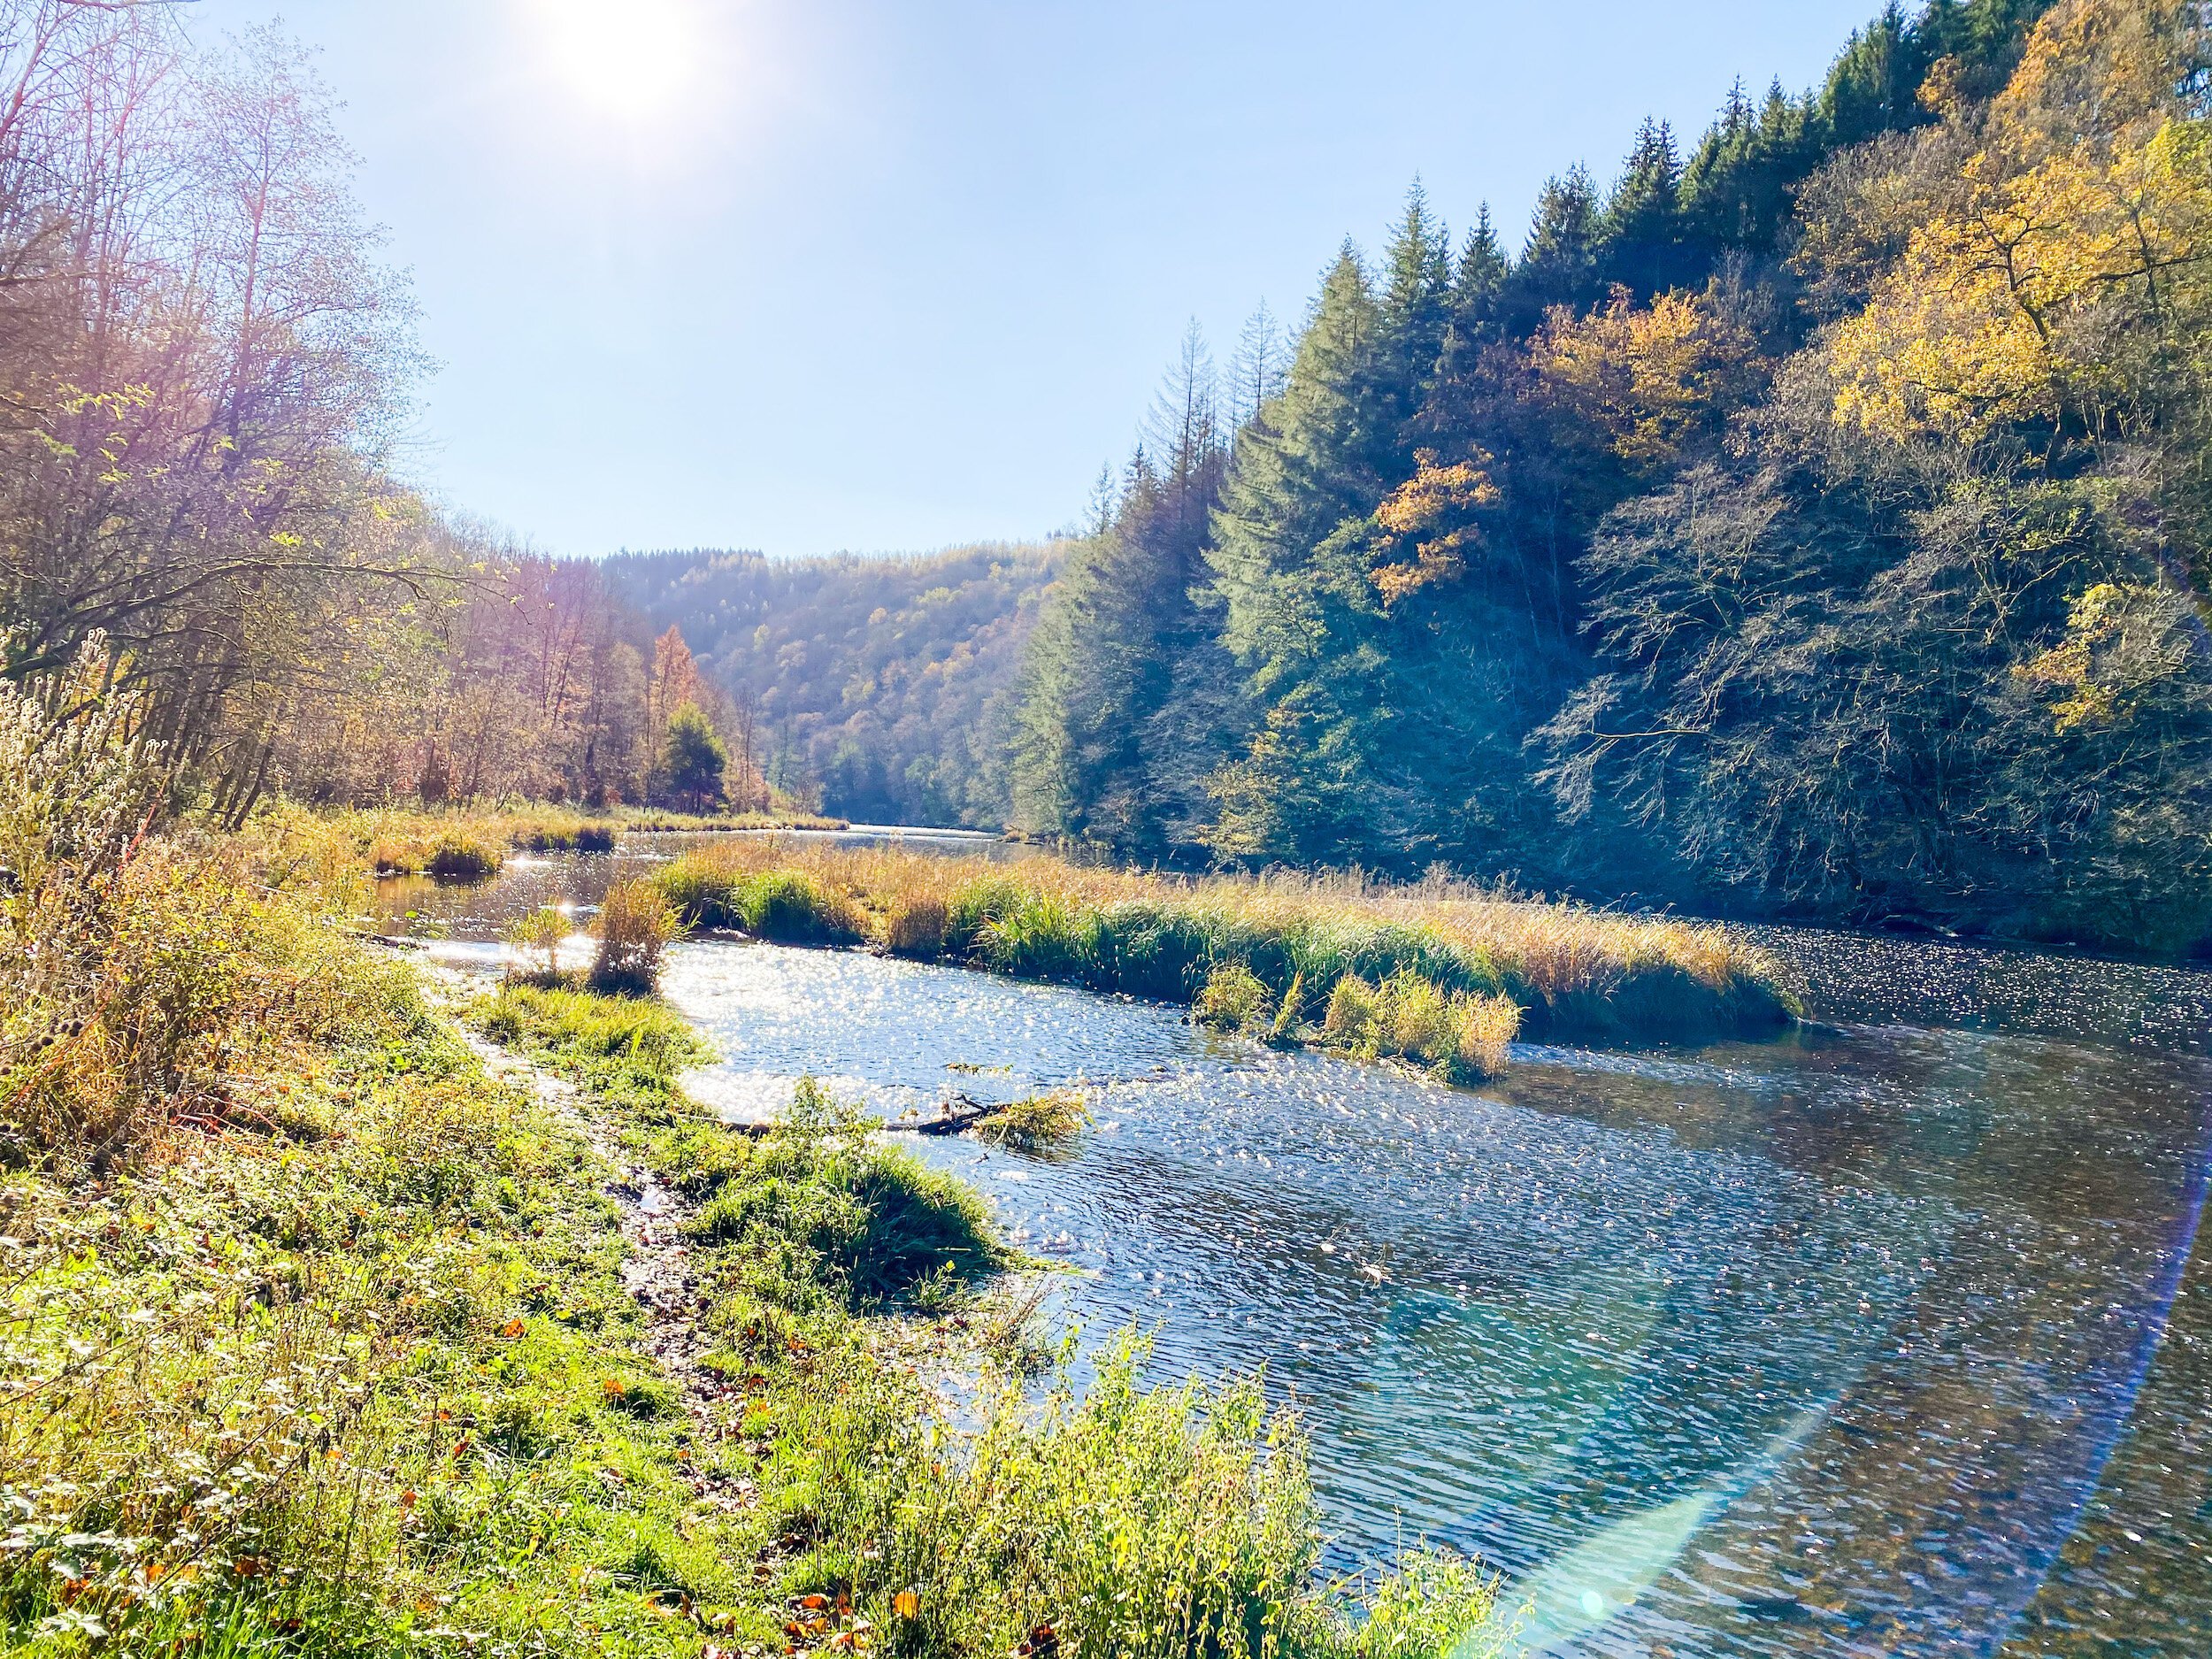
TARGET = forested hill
x,y
886,682
1815,522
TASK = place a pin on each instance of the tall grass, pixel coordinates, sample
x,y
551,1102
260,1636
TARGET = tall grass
x,y
469,843
1504,966
319,1342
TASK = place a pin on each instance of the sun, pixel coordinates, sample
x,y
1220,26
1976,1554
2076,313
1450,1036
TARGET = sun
x,y
627,58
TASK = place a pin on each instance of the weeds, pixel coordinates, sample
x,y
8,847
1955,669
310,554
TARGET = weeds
x,y
634,926
1252,955
1037,1122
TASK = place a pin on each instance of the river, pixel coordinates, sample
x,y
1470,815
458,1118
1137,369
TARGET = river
x,y
1894,1337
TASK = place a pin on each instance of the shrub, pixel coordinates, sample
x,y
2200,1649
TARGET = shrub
x,y
1234,999
825,1201
634,926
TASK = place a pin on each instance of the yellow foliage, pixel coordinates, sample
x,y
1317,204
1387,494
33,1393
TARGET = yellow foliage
x,y
1646,378
2083,220
1985,319
2092,67
2116,647
1436,511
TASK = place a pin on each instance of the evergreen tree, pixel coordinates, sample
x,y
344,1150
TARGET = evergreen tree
x,y
1290,557
1640,244
693,760
1256,371
1559,266
1101,680
1416,306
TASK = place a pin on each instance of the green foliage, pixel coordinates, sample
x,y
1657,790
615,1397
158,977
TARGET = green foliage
x,y
1037,1122
785,906
837,1209
1460,1037
1235,998
1600,568
883,683
693,760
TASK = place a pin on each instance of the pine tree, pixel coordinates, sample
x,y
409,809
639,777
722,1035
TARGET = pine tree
x,y
1101,673
1416,306
1640,244
1256,371
1290,562
1559,266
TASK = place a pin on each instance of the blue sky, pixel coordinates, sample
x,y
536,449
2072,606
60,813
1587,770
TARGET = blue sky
x,y
808,275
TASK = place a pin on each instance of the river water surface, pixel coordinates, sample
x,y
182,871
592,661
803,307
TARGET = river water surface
x,y
1892,1338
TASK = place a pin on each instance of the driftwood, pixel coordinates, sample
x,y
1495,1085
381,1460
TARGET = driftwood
x,y
953,1116
960,1112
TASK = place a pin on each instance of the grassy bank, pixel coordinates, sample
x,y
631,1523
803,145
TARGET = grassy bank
x,y
1439,973
1165,1521
319,1343
468,844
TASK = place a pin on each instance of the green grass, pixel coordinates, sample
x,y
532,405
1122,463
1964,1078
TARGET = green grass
x,y
1162,1521
357,1388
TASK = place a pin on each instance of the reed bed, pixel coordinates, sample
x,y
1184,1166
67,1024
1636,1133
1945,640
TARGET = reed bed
x,y
1443,973
470,845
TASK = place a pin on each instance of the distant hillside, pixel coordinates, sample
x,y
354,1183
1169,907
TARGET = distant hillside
x,y
887,681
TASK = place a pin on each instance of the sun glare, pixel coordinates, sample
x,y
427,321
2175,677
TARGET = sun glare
x,y
628,57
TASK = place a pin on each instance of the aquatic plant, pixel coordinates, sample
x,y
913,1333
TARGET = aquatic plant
x,y
1235,998
634,926
1459,1035
538,938
1037,1122
1566,971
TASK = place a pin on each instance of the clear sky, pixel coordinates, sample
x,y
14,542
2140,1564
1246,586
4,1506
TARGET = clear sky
x,y
806,275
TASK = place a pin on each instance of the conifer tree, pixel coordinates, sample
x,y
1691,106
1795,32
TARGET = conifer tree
x,y
1100,679
1642,241
1559,266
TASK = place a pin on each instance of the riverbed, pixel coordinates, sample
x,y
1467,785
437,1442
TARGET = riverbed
x,y
1894,1337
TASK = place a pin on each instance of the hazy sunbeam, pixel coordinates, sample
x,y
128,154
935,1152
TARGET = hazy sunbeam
x,y
630,60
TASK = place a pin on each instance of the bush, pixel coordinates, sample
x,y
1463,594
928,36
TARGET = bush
x,y
1235,998
827,1202
634,926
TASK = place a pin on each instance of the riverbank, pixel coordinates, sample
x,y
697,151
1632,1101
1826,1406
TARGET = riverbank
x,y
1442,973
325,1337
470,844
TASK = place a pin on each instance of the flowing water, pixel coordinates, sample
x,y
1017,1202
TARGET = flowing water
x,y
1892,1338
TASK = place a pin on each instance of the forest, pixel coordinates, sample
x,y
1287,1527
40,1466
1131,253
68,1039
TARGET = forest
x,y
882,688
205,376
1809,523
1813,522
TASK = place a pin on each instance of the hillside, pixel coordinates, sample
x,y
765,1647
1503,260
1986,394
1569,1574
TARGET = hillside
x,y
886,682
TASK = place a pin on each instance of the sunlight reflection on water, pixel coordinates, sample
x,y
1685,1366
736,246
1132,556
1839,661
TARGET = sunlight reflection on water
x,y
1820,1346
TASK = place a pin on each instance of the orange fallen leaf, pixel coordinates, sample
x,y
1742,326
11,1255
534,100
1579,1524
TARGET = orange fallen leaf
x,y
906,1604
